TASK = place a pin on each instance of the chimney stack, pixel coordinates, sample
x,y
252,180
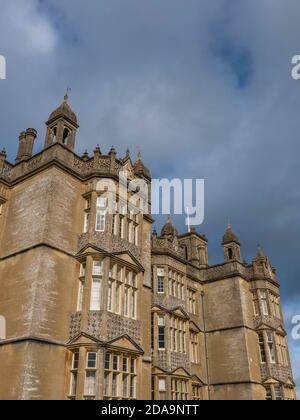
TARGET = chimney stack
x,y
26,142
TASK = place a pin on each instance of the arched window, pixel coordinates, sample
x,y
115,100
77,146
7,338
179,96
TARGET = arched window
x,y
66,136
54,134
230,253
2,328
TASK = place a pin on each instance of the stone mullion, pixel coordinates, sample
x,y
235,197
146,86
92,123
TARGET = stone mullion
x,y
100,375
155,333
93,211
268,363
169,387
81,373
154,276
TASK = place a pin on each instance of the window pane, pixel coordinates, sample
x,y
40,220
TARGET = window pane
x,y
75,361
133,366
106,384
132,387
162,385
90,384
97,268
96,295
125,364
115,362
125,386
80,295
73,386
107,361
114,385
91,360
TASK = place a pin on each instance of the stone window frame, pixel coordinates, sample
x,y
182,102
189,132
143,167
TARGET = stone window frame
x,y
160,280
122,374
161,324
194,347
196,391
87,212
101,214
90,371
179,389
81,286
262,348
74,375
123,289
282,350
192,300
178,334
97,278
176,284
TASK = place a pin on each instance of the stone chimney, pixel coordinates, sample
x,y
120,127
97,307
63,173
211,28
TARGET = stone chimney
x,y
26,143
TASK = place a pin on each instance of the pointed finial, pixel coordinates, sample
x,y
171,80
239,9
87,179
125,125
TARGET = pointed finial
x,y
66,97
127,152
97,150
139,153
112,151
85,156
260,252
228,223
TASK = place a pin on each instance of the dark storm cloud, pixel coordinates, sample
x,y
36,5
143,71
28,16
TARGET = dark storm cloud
x,y
203,87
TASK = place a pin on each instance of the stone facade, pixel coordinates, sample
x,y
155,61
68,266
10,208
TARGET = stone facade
x,y
113,312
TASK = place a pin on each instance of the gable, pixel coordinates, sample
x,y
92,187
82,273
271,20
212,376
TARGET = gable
x,y
194,327
124,343
91,249
180,312
129,258
85,339
270,381
158,371
197,380
181,372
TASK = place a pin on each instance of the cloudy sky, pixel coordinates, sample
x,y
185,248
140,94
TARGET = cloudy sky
x,y
203,87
